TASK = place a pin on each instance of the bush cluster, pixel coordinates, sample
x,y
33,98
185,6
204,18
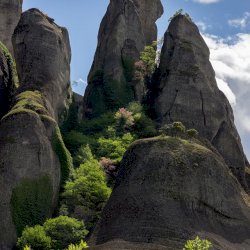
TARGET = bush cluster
x,y
57,233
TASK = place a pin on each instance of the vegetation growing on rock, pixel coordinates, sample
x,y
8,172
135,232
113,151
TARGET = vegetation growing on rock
x,y
30,202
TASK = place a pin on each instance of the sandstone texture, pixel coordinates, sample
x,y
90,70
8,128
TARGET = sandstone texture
x,y
43,54
187,92
34,162
126,28
10,12
170,190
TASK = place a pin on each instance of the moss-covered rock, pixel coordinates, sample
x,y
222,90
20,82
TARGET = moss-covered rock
x,y
31,202
169,190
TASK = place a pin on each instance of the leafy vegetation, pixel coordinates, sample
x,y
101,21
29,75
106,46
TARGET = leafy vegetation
x,y
63,155
55,233
82,245
12,67
197,244
64,230
178,13
86,194
31,202
34,237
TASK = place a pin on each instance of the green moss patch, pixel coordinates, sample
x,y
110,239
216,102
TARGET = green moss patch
x,y
12,67
28,102
31,202
63,155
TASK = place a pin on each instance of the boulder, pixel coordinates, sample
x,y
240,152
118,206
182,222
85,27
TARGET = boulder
x,y
10,12
187,91
126,28
168,191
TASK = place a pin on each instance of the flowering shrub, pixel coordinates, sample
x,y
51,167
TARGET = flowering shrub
x,y
108,164
124,118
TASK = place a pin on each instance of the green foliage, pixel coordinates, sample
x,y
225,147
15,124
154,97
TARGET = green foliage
x,y
34,237
28,101
63,155
143,126
64,230
82,245
114,148
31,202
193,133
26,248
71,120
97,125
174,129
197,244
12,67
128,66
83,155
178,13
148,56
88,192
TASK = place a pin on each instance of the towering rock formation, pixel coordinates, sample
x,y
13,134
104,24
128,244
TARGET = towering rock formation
x,y
125,29
170,190
33,159
43,55
187,92
10,12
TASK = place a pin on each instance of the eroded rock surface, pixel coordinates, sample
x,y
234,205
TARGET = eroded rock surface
x,y
187,92
34,162
125,29
43,54
10,12
170,190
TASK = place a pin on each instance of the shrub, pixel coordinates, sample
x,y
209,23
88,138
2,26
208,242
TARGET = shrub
x,y
148,56
83,155
114,148
35,238
124,119
193,133
88,192
82,245
197,244
64,230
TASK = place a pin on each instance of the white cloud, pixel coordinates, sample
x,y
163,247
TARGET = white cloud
x,y
231,61
240,22
79,81
206,1
202,26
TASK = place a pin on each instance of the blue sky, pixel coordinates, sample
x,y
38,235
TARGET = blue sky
x,y
224,24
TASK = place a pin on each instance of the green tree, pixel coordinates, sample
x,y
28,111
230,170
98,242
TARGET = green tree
x,y
197,244
35,238
148,57
64,230
86,194
83,155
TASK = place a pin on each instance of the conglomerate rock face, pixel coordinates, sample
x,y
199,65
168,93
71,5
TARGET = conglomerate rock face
x,y
170,190
33,159
187,92
10,12
126,28
43,54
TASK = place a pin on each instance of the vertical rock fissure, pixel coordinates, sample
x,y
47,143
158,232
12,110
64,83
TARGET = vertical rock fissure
x,y
171,106
202,109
